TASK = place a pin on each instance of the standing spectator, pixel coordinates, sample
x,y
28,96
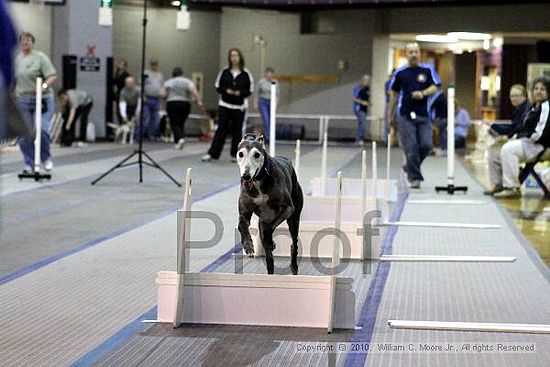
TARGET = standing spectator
x,y
264,99
412,83
532,139
29,65
76,104
154,80
361,103
518,98
129,103
119,80
179,91
234,84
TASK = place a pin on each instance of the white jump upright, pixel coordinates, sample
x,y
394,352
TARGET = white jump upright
x,y
323,301
374,173
335,248
451,188
273,119
38,125
388,160
324,164
364,181
297,153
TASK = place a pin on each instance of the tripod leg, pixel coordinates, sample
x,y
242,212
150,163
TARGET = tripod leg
x,y
155,164
113,168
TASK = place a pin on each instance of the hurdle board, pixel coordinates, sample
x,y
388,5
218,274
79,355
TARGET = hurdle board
x,y
326,301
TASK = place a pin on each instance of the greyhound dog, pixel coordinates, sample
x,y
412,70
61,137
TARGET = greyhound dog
x,y
269,189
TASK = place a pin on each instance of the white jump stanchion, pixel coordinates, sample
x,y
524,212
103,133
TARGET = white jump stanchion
x,y
388,159
470,326
437,258
38,125
335,250
272,119
451,188
36,175
182,264
374,175
324,164
297,154
364,181
443,225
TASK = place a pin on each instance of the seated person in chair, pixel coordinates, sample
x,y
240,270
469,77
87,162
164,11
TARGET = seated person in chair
x,y
518,98
531,139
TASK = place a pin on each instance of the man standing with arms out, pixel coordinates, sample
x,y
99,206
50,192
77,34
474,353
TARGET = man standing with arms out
x,y
412,84
154,80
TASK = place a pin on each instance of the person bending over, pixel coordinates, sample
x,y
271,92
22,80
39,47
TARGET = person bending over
x,y
76,104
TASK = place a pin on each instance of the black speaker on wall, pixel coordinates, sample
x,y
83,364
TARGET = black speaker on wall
x,y
543,51
69,71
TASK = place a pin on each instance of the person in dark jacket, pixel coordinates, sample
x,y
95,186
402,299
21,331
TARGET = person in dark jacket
x,y
518,98
532,139
234,84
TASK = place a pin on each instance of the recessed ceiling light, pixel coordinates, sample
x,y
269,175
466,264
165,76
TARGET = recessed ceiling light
x,y
176,3
437,38
470,36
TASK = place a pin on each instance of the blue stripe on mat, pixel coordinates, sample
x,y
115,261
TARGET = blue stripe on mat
x,y
40,264
367,317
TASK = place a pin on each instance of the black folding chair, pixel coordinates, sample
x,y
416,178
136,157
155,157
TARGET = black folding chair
x,y
529,168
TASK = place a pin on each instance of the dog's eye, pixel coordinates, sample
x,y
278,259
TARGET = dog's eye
x,y
256,155
241,154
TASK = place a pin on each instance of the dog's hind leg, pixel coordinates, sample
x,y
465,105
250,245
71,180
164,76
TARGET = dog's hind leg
x,y
266,235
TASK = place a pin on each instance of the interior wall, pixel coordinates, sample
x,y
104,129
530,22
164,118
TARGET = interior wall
x,y
292,53
36,19
195,50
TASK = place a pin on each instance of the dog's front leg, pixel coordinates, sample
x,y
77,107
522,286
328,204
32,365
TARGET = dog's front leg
x,y
244,223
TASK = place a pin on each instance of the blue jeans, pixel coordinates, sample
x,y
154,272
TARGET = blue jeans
x,y
26,145
416,139
264,105
151,116
361,125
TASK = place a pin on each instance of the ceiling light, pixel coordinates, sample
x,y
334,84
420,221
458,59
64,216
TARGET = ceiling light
x,y
470,36
176,3
437,38
498,42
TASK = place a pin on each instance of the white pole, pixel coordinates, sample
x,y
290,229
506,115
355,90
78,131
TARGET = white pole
x,y
38,125
272,119
184,232
335,251
374,174
388,159
324,165
451,135
297,158
364,182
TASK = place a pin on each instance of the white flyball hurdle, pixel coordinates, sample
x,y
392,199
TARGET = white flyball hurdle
x,y
385,189
273,119
318,214
250,299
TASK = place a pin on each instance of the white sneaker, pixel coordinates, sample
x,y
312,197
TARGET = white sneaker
x,y
180,143
206,158
81,144
48,165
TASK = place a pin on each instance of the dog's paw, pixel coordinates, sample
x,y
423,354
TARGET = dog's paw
x,y
248,248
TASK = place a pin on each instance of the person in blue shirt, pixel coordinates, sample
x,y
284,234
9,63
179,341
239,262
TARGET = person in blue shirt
x,y
518,98
361,103
412,84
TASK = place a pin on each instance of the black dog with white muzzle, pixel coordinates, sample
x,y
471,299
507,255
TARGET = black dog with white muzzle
x,y
269,189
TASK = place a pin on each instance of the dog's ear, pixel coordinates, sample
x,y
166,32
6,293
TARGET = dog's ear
x,y
260,139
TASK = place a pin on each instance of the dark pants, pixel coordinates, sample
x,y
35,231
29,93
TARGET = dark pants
x,y
229,122
416,139
178,111
68,136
